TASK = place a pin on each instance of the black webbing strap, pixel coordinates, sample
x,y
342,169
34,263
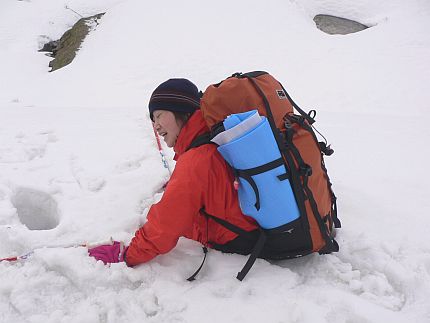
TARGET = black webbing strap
x,y
255,74
254,255
227,225
256,251
276,132
247,174
307,116
295,180
337,223
205,251
193,276
263,168
305,171
323,228
296,153
250,180
269,113
250,74
200,140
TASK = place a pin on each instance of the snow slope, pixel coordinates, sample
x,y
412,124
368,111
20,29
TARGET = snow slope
x,y
78,158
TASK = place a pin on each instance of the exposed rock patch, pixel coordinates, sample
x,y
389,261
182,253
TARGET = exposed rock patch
x,y
336,25
64,50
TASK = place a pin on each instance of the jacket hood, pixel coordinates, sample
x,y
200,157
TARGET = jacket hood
x,y
194,127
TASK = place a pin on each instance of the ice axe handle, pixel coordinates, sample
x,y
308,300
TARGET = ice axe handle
x,y
94,244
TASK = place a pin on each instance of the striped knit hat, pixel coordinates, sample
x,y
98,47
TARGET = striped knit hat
x,y
176,95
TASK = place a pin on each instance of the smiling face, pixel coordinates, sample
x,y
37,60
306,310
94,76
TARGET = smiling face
x,y
167,126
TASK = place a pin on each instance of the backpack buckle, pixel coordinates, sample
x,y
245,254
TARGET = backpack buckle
x,y
326,149
217,129
296,119
305,170
287,124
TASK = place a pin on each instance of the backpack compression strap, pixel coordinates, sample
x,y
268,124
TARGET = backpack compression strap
x,y
193,276
256,251
247,174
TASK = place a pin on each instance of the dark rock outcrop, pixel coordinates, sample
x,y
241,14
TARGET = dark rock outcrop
x,y
64,50
336,25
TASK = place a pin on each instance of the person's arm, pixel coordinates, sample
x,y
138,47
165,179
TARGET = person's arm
x,y
170,218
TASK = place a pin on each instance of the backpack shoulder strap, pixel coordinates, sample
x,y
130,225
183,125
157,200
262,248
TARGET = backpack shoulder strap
x,y
203,139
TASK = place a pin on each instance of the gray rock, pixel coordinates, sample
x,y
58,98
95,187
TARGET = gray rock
x,y
64,50
49,47
336,25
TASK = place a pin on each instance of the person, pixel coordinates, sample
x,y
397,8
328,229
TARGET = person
x,y
201,184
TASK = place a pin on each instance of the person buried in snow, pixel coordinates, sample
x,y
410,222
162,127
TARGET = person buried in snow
x,y
202,183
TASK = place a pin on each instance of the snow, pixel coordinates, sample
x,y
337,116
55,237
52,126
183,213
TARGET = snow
x,y
78,152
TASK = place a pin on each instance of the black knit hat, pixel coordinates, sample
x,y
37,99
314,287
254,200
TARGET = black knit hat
x,y
176,95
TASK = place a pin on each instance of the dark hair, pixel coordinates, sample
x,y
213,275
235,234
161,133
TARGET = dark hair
x,y
182,116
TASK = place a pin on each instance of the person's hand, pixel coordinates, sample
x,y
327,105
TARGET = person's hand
x,y
109,253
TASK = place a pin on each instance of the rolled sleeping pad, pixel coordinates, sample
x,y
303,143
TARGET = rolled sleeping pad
x,y
264,196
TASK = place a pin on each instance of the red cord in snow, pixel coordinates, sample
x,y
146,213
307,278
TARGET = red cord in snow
x,y
88,245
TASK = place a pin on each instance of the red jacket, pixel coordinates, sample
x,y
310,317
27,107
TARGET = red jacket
x,y
201,179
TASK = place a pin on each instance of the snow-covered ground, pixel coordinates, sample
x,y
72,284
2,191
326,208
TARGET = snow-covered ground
x,y
78,158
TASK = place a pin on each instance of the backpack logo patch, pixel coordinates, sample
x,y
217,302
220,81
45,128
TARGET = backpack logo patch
x,y
281,94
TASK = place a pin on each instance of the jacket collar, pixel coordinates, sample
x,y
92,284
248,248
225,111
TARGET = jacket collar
x,y
194,127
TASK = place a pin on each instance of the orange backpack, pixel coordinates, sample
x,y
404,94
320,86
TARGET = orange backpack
x,y
302,155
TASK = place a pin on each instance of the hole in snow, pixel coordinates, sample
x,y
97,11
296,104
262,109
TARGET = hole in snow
x,y
336,25
37,210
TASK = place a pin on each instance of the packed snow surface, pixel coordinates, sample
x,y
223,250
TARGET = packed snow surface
x,y
79,161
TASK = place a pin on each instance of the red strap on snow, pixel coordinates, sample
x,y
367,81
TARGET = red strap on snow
x,y
9,259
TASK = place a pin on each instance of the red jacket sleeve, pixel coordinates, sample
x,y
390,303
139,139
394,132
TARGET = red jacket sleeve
x,y
172,217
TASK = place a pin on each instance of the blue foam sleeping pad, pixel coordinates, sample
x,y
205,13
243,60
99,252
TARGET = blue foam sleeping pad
x,y
254,148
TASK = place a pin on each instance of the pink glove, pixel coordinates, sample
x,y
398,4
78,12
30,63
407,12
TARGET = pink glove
x,y
109,253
